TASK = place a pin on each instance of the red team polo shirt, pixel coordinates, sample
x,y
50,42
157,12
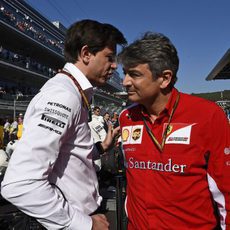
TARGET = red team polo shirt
x,y
175,189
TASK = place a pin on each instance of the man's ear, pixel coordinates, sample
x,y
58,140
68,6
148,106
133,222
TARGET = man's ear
x,y
166,78
85,54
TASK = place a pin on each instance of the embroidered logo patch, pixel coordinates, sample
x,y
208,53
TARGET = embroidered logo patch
x,y
132,134
136,134
125,134
178,133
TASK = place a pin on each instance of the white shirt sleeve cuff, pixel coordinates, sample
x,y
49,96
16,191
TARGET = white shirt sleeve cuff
x,y
80,222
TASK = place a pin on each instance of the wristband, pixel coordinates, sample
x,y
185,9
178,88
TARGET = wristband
x,y
99,147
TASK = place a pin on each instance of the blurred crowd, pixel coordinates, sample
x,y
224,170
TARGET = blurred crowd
x,y
10,130
26,25
26,62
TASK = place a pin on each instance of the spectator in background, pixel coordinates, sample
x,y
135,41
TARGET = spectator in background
x,y
2,92
1,133
98,132
20,127
107,121
6,132
50,175
114,119
97,125
97,114
176,145
13,129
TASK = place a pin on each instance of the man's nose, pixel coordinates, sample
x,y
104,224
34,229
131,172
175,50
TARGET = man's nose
x,y
114,65
126,80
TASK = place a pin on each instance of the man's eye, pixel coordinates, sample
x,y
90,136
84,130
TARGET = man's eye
x,y
111,58
134,74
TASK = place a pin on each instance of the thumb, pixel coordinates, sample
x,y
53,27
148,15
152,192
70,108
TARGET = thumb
x,y
116,132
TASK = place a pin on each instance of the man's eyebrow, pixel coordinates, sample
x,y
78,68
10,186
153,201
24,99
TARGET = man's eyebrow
x,y
133,71
111,54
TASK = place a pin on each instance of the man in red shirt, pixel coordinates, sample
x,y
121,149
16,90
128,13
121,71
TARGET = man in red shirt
x,y
176,145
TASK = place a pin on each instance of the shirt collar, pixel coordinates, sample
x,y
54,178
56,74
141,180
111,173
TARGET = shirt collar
x,y
78,75
172,100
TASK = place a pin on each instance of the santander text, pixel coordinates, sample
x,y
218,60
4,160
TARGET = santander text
x,y
157,166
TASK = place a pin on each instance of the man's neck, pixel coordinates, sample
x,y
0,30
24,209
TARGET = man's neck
x,y
155,107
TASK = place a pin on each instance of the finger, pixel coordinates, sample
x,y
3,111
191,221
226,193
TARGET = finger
x,y
116,131
110,129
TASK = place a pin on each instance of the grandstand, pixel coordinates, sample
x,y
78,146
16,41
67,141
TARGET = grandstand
x,y
221,71
31,52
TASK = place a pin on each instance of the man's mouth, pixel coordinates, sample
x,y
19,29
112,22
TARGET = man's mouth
x,y
110,73
130,93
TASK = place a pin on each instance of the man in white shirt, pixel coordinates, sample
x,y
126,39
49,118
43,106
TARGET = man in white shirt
x,y
98,132
51,175
97,125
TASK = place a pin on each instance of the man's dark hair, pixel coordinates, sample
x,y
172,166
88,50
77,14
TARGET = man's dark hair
x,y
154,49
94,34
106,113
96,108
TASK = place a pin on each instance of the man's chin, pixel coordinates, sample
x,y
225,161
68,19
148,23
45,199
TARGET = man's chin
x,y
100,83
132,98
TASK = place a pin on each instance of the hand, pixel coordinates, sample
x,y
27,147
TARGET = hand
x,y
99,222
113,131
111,137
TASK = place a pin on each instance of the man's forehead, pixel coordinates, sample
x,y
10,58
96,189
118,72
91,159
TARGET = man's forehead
x,y
110,50
136,67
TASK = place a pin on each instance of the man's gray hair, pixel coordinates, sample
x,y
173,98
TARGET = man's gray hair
x,y
154,49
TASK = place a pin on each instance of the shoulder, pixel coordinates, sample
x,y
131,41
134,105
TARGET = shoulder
x,y
61,83
197,106
56,100
197,102
60,90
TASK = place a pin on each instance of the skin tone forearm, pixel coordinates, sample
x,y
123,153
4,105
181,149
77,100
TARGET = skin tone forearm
x,y
110,137
100,222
